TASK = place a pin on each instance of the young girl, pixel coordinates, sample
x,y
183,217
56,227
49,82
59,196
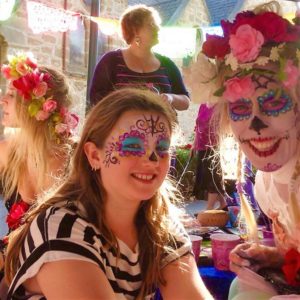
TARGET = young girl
x,y
36,103
108,232
258,88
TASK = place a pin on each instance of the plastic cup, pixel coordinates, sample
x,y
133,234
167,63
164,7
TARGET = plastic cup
x,y
222,244
196,245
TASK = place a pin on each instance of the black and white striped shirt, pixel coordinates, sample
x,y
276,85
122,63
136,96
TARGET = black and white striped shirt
x,y
60,233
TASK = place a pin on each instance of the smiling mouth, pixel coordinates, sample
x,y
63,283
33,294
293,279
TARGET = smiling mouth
x,y
264,147
146,178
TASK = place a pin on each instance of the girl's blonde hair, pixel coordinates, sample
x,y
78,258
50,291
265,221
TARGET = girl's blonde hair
x,y
85,187
32,145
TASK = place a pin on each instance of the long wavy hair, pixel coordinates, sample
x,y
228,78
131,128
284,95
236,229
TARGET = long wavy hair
x,y
32,145
84,186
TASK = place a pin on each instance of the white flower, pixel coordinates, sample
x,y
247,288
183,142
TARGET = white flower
x,y
232,61
274,55
200,79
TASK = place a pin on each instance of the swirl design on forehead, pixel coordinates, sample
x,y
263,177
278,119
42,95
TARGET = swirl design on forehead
x,y
151,125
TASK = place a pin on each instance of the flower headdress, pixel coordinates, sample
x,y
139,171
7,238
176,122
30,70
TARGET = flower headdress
x,y
32,85
248,44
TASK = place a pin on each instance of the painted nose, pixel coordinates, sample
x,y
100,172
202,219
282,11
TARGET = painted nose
x,y
257,125
153,157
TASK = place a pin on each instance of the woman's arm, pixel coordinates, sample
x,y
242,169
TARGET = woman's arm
x,y
183,281
71,279
179,102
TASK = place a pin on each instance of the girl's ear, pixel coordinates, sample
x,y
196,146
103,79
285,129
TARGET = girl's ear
x,y
93,155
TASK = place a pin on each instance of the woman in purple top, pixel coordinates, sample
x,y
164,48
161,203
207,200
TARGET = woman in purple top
x,y
136,65
208,173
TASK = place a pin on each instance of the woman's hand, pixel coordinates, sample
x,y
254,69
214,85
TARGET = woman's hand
x,y
179,102
254,257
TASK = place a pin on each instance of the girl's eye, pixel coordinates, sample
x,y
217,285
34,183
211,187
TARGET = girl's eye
x,y
271,104
241,107
163,146
132,144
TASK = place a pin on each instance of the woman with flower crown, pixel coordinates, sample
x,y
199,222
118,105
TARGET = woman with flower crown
x,y
254,78
36,103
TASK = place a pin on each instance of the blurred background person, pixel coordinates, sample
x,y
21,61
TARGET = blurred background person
x,y
137,65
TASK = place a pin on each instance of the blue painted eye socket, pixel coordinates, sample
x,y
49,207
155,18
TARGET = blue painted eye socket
x,y
240,110
271,104
133,144
163,147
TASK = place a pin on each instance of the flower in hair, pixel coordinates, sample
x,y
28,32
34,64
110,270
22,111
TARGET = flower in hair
x,y
33,85
248,44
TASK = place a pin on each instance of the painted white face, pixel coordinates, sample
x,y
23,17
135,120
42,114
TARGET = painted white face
x,y
266,125
136,156
8,103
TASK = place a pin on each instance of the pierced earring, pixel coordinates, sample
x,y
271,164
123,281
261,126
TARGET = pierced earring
x,y
138,41
94,168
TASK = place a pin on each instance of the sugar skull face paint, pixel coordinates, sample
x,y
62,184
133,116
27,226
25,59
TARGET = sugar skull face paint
x,y
266,125
136,155
136,141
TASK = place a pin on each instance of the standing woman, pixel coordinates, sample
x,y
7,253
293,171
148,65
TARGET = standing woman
x,y
36,103
137,65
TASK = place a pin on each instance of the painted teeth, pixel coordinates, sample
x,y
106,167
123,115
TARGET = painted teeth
x,y
144,177
262,146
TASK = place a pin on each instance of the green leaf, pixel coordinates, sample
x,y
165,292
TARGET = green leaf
x,y
220,91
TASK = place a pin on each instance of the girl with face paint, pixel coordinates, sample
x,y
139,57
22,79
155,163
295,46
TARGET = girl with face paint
x,y
255,83
112,219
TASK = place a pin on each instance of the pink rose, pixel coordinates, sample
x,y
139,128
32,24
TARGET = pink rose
x,y
42,115
41,89
21,68
246,43
61,128
71,120
292,74
237,88
31,63
50,106
6,71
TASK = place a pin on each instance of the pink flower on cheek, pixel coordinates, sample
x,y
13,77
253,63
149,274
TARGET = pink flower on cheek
x,y
49,106
292,74
237,88
41,89
246,43
42,115
21,68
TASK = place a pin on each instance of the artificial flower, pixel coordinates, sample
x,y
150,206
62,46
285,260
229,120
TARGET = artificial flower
x,y
200,80
42,115
22,68
237,88
49,105
291,267
61,128
246,43
215,46
291,73
71,120
6,71
40,89
16,213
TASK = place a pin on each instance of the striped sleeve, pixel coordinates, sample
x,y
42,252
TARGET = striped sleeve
x,y
181,243
56,234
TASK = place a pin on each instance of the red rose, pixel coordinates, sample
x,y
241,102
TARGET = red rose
x,y
215,46
272,26
16,214
247,17
291,267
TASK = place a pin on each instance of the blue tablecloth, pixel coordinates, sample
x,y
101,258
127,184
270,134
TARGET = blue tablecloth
x,y
217,282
